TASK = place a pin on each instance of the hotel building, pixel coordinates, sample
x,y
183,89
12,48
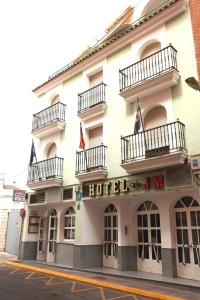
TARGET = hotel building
x,y
130,199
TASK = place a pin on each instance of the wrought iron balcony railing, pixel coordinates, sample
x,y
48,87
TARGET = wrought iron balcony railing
x,y
92,97
46,169
55,112
153,142
153,65
91,159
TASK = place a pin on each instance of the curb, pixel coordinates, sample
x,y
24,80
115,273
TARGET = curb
x,y
98,283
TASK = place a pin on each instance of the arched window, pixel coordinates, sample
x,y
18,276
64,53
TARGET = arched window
x,y
157,116
150,49
69,224
55,100
110,208
52,151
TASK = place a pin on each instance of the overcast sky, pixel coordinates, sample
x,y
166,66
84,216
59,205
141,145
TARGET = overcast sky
x,y
37,38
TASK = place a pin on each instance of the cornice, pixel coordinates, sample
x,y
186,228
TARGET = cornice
x,y
128,37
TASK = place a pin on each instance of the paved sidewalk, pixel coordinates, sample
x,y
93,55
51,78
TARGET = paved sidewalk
x,y
122,274
6,256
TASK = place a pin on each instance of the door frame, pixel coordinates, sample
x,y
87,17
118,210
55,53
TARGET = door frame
x,y
110,246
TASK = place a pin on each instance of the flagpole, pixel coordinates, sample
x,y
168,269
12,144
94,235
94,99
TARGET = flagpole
x,y
145,143
82,146
33,155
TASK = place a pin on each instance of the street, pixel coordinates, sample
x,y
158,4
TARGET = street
x,y
22,284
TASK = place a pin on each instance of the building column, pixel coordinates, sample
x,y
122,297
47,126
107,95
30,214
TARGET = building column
x,y
127,251
168,250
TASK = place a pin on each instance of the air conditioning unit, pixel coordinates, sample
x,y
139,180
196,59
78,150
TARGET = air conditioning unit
x,y
195,163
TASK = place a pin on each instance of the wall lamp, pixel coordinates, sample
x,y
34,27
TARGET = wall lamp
x,y
193,83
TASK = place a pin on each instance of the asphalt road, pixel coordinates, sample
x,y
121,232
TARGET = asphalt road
x,y
26,285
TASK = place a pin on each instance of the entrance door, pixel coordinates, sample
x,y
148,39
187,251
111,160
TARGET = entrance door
x,y
52,235
42,242
13,232
110,251
3,228
149,238
187,215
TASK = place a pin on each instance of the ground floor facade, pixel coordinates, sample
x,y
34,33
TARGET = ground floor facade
x,y
149,223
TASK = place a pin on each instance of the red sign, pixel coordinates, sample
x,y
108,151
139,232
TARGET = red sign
x,y
22,212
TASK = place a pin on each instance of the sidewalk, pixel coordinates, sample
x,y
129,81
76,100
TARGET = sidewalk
x,y
123,274
6,256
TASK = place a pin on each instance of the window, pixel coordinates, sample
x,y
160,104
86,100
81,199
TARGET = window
x,y
69,224
33,225
96,79
52,151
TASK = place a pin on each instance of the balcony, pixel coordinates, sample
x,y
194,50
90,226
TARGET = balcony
x,y
49,120
45,174
91,164
149,75
92,102
154,148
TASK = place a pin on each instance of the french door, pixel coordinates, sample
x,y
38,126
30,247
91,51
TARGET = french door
x,y
187,217
110,249
149,238
52,235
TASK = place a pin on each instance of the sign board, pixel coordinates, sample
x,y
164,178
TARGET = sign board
x,y
78,196
19,195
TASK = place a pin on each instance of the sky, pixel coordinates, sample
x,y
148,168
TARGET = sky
x,y
38,37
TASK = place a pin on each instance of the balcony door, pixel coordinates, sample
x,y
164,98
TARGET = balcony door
x,y
149,238
95,139
52,236
149,63
187,217
110,249
157,140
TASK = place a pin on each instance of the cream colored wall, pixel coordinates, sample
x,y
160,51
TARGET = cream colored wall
x,y
119,120
70,137
186,104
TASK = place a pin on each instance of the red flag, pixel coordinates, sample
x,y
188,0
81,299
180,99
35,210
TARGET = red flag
x,y
82,142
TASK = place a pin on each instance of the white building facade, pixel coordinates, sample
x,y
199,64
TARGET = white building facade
x,y
130,199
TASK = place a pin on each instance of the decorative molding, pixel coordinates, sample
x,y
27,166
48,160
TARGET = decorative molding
x,y
46,183
139,31
91,176
143,165
150,86
49,129
93,112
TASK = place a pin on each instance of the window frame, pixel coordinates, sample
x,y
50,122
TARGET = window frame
x,y
70,216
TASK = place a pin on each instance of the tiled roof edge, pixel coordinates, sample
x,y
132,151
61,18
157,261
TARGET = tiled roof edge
x,y
109,40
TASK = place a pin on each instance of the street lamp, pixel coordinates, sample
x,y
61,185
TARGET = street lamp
x,y
193,83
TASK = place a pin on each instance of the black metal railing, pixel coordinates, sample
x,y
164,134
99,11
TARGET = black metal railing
x,y
91,159
52,113
46,169
92,97
153,142
153,65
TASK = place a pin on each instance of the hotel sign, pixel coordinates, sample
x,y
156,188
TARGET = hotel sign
x,y
123,185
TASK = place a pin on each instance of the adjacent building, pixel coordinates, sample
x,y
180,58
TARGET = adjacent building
x,y
121,190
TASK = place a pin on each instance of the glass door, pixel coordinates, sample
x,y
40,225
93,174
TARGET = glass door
x,y
187,217
52,235
110,251
149,238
